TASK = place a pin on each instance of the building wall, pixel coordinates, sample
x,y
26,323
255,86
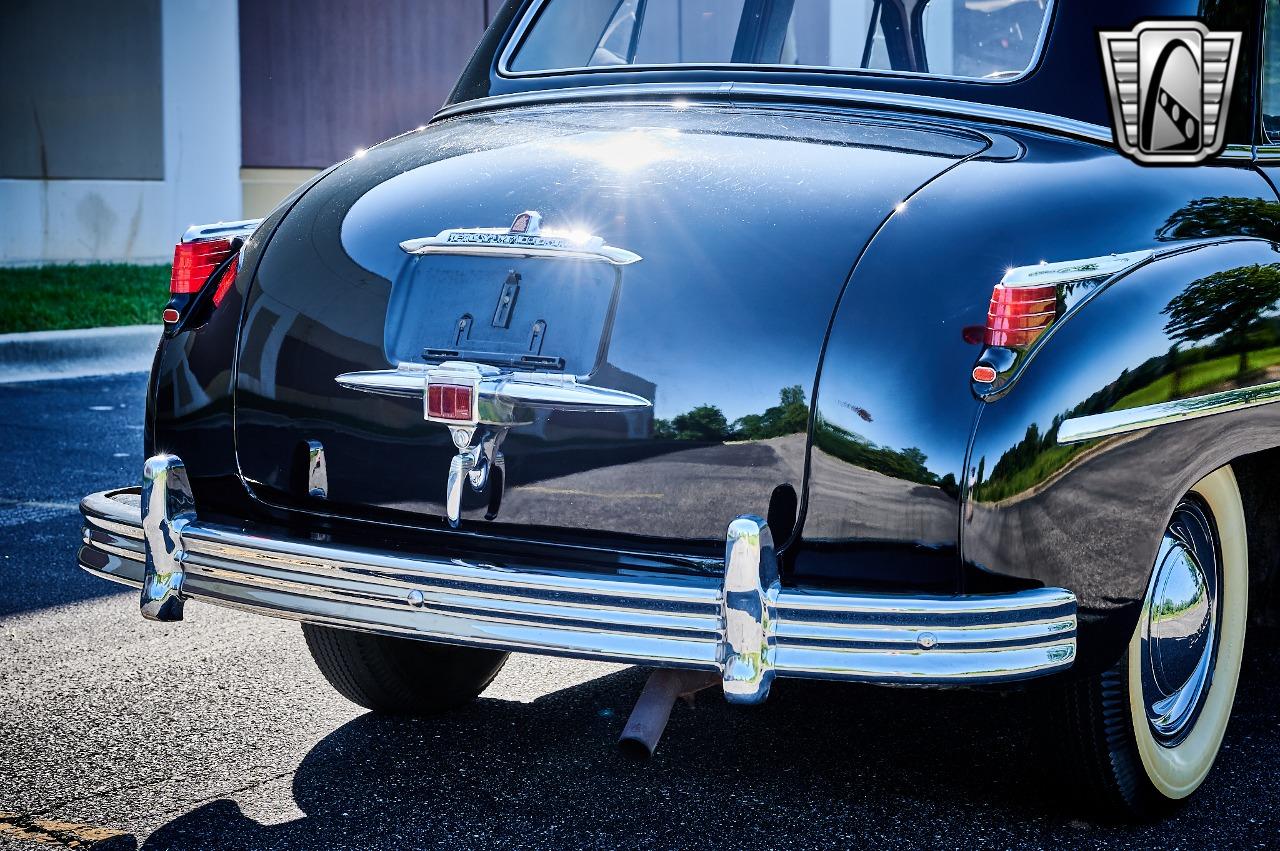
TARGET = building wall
x,y
99,211
124,120
49,106
322,78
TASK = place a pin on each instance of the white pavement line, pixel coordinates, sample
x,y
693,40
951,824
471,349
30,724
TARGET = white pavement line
x,y
27,503
62,833
16,512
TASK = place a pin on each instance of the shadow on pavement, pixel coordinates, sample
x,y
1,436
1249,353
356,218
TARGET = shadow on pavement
x,y
40,569
502,773
821,764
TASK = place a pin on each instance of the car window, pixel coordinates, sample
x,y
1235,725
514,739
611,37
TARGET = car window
x,y
1271,74
976,39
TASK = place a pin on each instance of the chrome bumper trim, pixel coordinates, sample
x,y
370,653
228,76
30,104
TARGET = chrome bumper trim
x,y
745,626
167,510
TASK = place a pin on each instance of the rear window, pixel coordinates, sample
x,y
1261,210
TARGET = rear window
x,y
972,39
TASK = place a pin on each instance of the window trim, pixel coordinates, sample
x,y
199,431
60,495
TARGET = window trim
x,y
1264,139
531,13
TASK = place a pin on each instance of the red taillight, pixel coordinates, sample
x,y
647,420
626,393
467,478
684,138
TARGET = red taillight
x,y
194,262
984,374
449,401
1020,314
228,278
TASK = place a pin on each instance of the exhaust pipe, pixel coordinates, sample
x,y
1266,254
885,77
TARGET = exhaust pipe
x,y
648,720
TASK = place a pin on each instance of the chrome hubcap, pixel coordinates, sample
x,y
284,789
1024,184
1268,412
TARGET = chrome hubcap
x,y
1180,623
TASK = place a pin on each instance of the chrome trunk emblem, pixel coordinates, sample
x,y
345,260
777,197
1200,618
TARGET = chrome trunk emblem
x,y
525,238
529,222
480,404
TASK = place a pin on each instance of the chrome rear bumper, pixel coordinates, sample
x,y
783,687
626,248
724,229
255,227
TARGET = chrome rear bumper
x,y
743,624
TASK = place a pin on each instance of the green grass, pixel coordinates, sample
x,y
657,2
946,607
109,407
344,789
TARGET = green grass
x,y
49,298
1197,377
1048,462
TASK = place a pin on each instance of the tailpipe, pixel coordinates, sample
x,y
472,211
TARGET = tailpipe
x,y
639,739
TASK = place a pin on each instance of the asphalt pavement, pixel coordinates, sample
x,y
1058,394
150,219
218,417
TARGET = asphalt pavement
x,y
218,733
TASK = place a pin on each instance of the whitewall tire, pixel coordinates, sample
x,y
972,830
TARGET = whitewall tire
x,y
1176,770
1146,732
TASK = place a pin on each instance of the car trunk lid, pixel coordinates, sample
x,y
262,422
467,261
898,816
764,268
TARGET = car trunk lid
x,y
731,232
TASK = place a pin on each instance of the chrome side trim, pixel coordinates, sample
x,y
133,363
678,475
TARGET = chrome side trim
x,y
742,625
221,230
1020,364
742,94
1111,423
1066,271
409,381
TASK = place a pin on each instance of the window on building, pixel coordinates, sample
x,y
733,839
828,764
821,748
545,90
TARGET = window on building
x,y
82,94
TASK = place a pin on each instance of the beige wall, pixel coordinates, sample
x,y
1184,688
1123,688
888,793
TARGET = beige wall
x,y
263,188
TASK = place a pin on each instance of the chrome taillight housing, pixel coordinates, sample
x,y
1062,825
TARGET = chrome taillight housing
x,y
1027,302
206,255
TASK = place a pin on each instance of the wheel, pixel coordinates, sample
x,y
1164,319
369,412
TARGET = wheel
x,y
400,676
1146,732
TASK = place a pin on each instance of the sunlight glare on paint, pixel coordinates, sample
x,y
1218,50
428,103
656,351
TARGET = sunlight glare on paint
x,y
623,152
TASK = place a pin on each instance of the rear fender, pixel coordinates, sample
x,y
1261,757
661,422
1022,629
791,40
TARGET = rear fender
x,y
1089,514
189,400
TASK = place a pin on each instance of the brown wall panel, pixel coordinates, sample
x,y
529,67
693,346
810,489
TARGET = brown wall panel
x,y
321,78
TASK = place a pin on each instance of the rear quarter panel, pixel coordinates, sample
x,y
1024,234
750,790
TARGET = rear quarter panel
x,y
1089,516
894,382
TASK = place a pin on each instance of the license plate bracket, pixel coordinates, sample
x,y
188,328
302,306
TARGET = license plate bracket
x,y
521,313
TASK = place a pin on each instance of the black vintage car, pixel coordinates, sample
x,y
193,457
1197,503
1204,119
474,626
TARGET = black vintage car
x,y
761,338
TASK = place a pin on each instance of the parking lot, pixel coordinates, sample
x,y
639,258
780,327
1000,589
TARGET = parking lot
x,y
218,732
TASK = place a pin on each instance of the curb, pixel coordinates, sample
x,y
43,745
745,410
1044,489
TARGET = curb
x,y
47,355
